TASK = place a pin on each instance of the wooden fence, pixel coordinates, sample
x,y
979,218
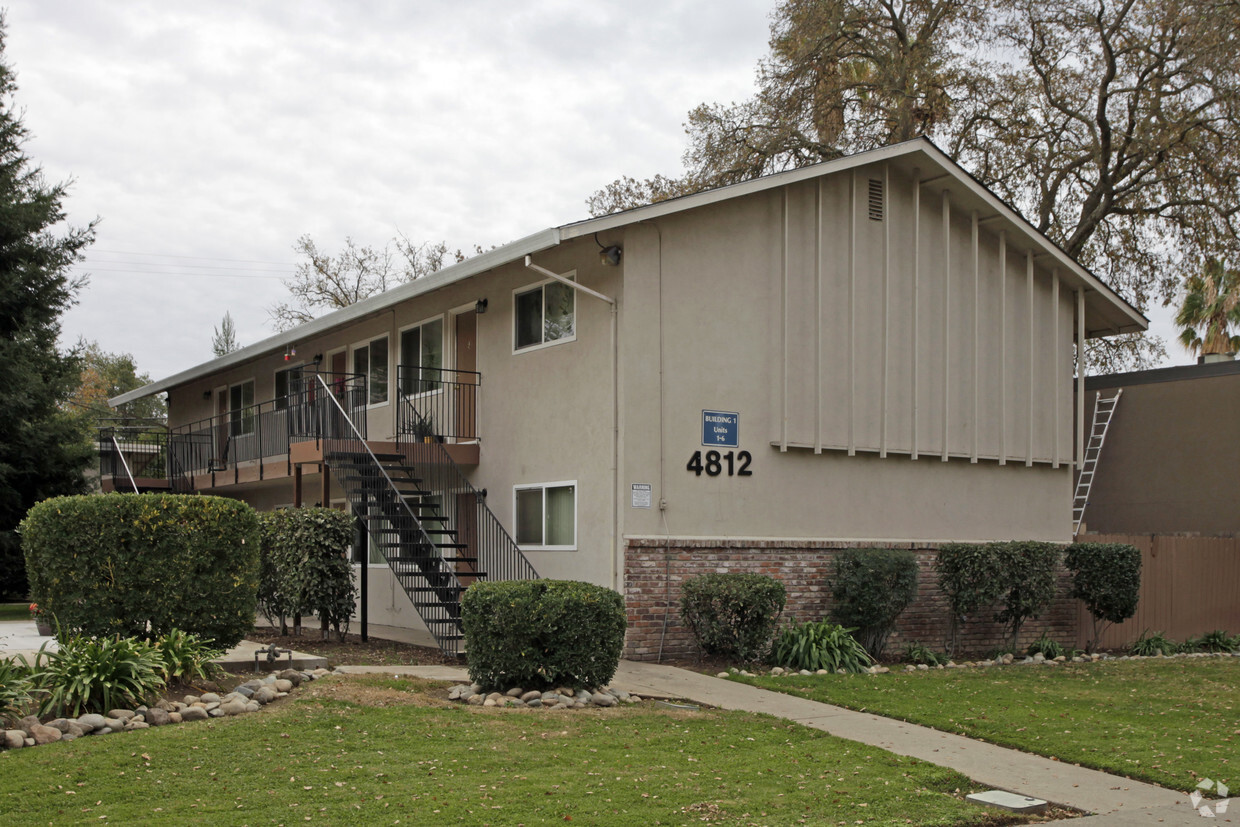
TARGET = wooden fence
x,y
1189,586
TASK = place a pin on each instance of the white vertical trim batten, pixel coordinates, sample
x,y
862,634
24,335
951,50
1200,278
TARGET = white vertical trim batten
x,y
977,324
1055,361
916,289
783,257
947,318
882,434
1029,298
818,361
852,314
1003,445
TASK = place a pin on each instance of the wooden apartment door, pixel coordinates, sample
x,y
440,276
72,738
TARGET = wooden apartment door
x,y
466,392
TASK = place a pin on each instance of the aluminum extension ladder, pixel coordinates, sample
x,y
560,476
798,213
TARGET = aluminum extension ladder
x,y
1104,409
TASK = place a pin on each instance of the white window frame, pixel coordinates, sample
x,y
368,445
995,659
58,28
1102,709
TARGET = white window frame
x,y
351,363
443,350
253,406
541,286
543,486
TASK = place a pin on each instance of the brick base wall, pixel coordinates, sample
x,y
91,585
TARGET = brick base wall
x,y
654,570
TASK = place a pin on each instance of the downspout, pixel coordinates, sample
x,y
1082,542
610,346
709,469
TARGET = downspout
x,y
617,567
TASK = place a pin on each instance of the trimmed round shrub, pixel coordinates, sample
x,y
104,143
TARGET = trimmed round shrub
x,y
871,589
1028,582
539,634
971,576
1106,577
141,565
733,615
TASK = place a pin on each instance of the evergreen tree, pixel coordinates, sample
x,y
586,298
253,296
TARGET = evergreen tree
x,y
43,450
225,341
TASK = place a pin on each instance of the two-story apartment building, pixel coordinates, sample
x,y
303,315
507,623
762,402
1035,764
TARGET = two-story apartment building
x,y
873,350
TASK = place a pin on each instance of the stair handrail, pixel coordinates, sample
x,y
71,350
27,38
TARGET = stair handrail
x,y
392,485
124,464
524,568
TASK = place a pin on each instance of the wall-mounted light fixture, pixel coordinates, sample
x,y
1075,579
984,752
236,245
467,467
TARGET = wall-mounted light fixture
x,y
480,306
206,394
318,359
610,256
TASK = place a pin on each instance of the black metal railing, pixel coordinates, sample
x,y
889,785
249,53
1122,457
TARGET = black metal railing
x,y
263,430
442,404
132,451
488,550
398,512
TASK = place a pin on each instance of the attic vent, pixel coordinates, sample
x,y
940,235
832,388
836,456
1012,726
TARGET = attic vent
x,y
876,199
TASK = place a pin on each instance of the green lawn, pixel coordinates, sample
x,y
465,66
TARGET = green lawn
x,y
14,611
375,750
1156,720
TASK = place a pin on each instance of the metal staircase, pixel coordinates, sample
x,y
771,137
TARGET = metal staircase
x,y
429,523
1104,409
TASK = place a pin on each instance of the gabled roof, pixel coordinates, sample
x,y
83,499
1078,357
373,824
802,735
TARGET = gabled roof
x,y
1106,313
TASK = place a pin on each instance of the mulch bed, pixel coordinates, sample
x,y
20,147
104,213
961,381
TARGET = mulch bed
x,y
352,651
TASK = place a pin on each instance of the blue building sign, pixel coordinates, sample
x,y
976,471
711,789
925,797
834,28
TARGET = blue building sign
x,y
721,429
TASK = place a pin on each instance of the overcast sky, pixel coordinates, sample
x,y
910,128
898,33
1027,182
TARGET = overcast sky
x,y
208,137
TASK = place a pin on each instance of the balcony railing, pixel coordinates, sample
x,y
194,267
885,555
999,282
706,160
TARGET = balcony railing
x,y
265,429
129,451
439,404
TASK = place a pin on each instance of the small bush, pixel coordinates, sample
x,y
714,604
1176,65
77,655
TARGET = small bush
x,y
872,587
1107,578
538,634
1218,641
1153,645
733,615
144,564
90,674
1046,646
971,577
305,567
821,645
918,653
1028,582
185,657
15,688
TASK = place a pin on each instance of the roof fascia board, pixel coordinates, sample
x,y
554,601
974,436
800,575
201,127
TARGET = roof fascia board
x,y
514,251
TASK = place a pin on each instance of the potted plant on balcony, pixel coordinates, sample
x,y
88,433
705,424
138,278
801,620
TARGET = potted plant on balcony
x,y
423,427
41,621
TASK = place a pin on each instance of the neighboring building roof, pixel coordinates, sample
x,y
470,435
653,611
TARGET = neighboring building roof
x,y
1106,313
1179,373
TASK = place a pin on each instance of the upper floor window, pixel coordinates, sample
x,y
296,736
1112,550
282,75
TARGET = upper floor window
x,y
370,359
421,357
544,314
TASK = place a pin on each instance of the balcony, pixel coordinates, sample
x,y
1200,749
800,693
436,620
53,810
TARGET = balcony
x,y
265,440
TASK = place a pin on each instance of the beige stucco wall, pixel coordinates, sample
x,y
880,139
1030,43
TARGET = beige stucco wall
x,y
738,334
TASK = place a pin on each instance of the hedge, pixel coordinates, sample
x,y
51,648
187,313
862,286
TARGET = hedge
x,y
305,567
733,615
539,634
871,589
1107,578
141,565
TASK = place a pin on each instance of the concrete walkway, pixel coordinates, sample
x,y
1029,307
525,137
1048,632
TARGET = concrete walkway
x,y
1116,800
21,637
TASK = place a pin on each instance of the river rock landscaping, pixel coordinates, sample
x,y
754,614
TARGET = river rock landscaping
x,y
559,698
250,696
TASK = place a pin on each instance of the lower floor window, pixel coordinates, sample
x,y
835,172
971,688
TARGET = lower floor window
x,y
547,515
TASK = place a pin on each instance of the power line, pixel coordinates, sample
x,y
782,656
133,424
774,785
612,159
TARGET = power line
x,y
89,270
174,255
194,266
